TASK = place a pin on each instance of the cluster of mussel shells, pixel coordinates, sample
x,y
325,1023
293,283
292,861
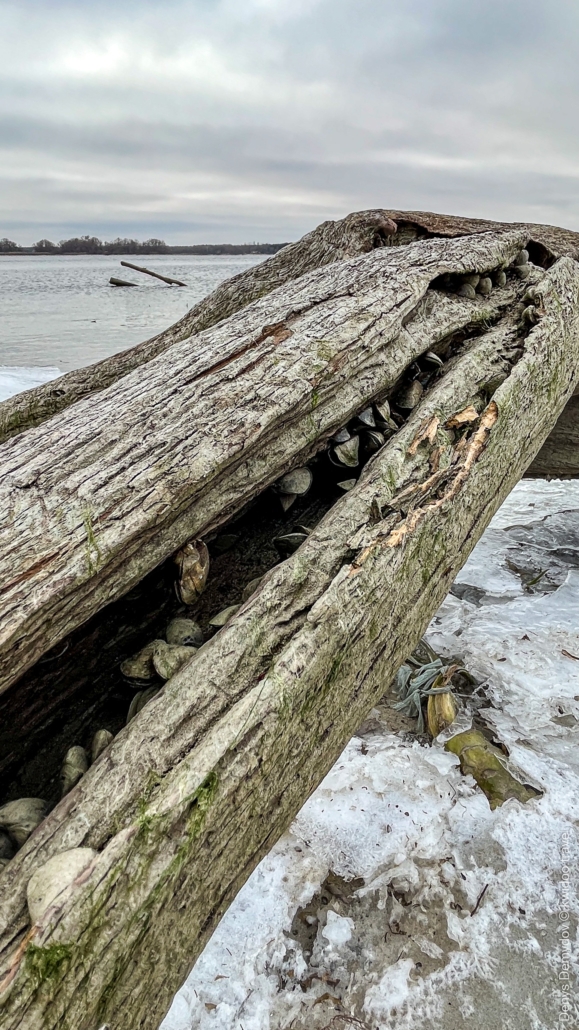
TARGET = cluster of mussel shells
x,y
161,658
20,817
473,285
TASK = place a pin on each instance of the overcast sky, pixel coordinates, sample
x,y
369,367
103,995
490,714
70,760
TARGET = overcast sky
x,y
243,120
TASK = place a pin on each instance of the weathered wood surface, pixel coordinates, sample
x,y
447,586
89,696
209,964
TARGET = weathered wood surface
x,y
356,234
92,500
191,794
331,241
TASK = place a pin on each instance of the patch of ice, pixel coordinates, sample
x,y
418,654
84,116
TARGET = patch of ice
x,y
14,379
456,924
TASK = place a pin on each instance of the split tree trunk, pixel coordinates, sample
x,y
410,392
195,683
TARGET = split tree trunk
x,y
91,501
195,791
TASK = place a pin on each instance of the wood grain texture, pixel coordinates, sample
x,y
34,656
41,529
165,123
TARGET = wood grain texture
x,y
199,786
94,498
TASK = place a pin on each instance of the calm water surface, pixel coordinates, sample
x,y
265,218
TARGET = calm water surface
x,y
60,311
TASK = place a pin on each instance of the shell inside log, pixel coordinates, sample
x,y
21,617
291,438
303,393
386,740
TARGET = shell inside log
x,y
139,701
366,418
193,569
523,271
286,500
224,616
185,632
140,666
100,743
289,543
346,453
297,482
169,658
373,440
250,588
466,290
410,396
20,818
73,768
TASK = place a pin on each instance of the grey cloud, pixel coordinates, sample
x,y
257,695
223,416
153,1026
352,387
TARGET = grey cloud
x,y
256,119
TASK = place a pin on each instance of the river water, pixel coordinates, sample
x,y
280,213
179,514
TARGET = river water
x,y
59,313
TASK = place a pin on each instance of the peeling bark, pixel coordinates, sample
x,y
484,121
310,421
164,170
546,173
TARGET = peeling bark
x,y
197,788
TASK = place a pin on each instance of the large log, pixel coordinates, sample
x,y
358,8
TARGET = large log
x,y
93,500
195,790
356,234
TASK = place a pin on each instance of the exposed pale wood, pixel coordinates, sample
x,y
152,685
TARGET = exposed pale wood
x,y
94,499
194,791
156,275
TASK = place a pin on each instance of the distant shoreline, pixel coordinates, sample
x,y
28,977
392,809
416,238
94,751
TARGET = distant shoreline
x,y
201,248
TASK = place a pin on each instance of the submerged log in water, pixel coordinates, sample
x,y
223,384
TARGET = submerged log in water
x,y
156,275
189,796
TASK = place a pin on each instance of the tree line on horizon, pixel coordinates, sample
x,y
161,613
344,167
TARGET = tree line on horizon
x,y
92,245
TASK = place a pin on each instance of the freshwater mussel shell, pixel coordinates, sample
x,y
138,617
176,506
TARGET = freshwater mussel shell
x,y
185,632
347,484
139,667
522,258
297,482
250,588
287,544
223,617
466,290
366,418
432,359
6,846
410,395
169,658
384,418
192,562
100,743
139,701
73,768
372,441
19,818
286,500
346,453
485,287
341,436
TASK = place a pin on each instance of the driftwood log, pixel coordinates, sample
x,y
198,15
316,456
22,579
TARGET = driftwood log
x,y
192,793
120,282
156,275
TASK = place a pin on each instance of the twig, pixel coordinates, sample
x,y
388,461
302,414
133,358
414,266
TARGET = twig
x,y
479,899
157,275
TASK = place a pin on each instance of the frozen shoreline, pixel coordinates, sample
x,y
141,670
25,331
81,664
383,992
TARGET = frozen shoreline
x,y
403,950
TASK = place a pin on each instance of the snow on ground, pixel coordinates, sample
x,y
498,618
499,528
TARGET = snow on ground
x,y
13,379
398,899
